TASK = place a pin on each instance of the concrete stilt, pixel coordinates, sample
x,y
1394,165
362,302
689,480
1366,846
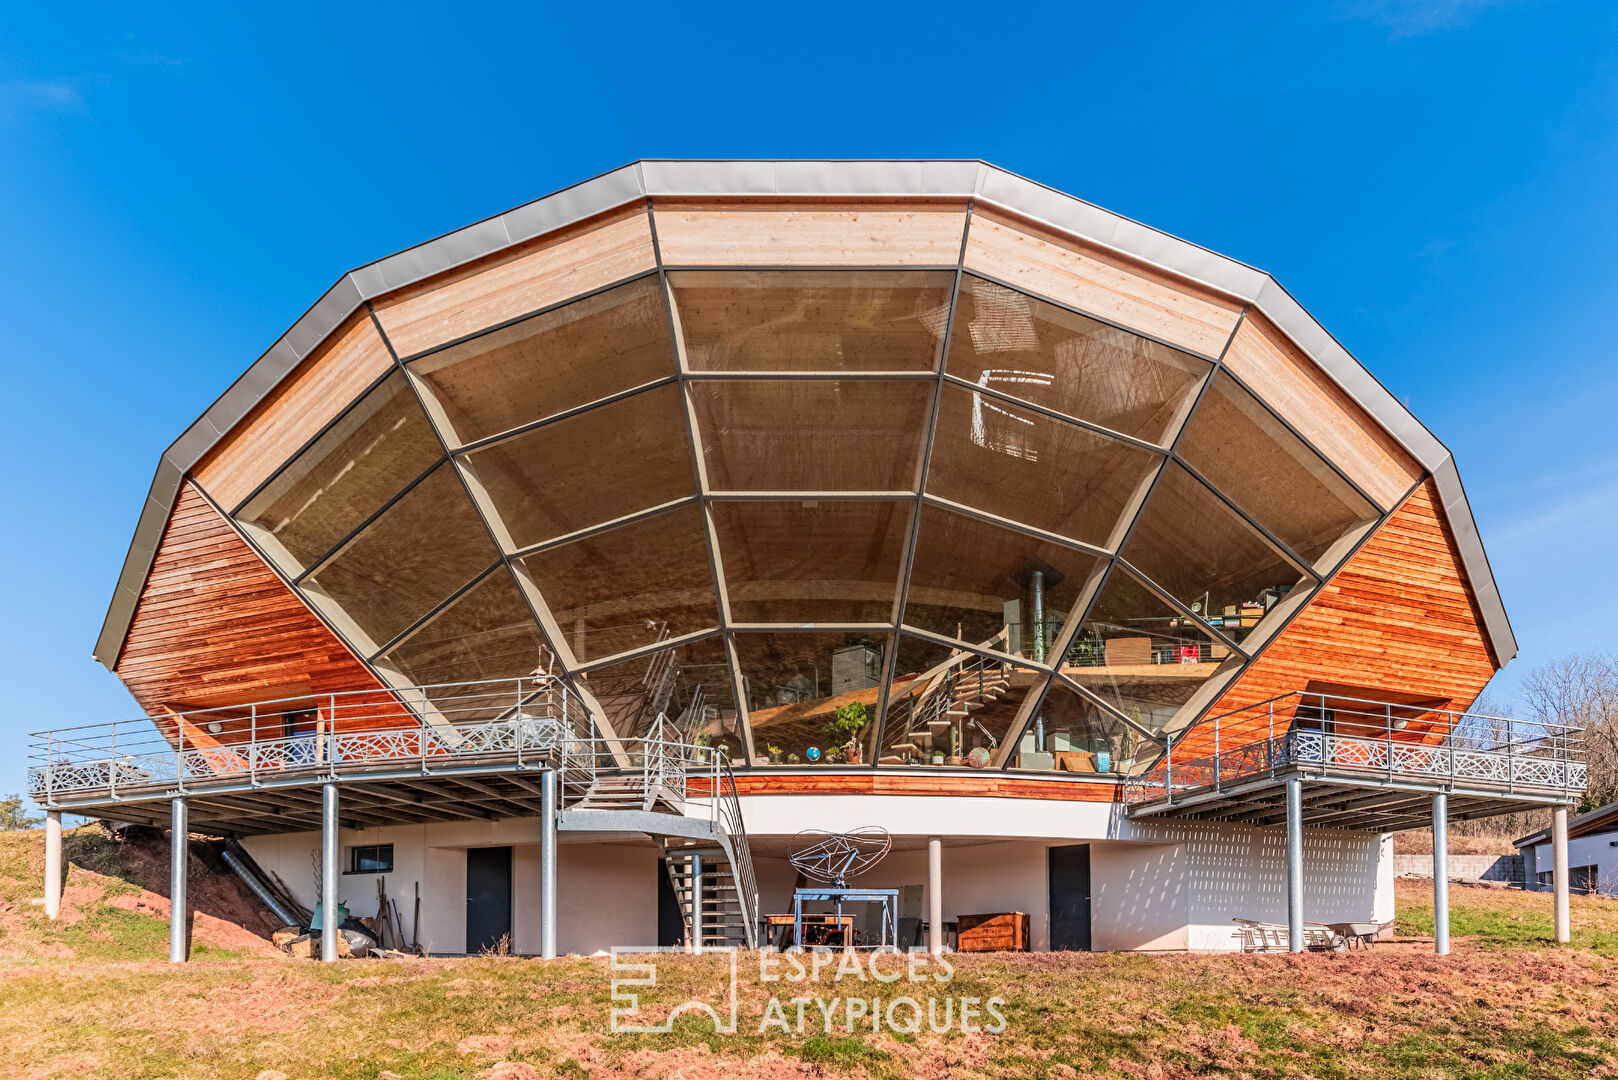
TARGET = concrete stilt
x,y
53,863
1295,864
328,873
1564,927
1441,874
178,845
696,905
547,864
935,894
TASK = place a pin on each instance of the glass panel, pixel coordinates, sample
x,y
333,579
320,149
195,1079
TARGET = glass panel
x,y
811,435
599,465
1139,655
1030,468
817,320
1071,734
366,458
796,683
631,586
488,633
423,547
970,579
950,707
549,363
1261,466
690,684
803,562
1201,551
1012,343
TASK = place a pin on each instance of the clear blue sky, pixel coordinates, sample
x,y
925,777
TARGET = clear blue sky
x,y
1435,180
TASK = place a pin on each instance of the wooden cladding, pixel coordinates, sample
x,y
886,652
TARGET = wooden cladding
x,y
808,234
516,282
319,388
883,782
1279,372
216,627
1398,617
1100,283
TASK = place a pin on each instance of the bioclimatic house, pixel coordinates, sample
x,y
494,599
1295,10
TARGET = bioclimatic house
x,y
570,564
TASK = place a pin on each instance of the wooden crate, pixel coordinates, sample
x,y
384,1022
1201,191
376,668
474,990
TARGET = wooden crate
x,y
1000,932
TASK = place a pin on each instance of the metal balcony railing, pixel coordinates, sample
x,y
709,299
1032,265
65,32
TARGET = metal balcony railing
x,y
1357,738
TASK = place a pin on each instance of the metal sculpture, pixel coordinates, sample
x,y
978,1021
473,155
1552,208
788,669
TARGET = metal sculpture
x,y
833,858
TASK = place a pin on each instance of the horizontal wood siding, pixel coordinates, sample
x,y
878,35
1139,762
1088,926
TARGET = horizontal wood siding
x,y
1399,617
761,234
215,626
1100,283
538,274
885,782
319,388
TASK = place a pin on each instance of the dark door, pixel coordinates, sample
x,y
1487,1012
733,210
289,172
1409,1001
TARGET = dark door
x,y
488,898
1070,898
670,919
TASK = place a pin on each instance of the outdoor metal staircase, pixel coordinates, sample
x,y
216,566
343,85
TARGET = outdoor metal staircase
x,y
727,917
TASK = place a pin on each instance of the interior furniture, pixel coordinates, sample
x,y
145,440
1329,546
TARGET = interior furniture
x,y
888,929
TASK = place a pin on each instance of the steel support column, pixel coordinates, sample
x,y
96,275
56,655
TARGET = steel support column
x,y
328,873
935,894
696,905
547,864
1441,874
1295,864
179,831
1559,865
53,863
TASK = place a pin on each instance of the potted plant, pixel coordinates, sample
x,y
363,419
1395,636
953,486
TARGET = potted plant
x,y
844,728
775,754
792,759
702,742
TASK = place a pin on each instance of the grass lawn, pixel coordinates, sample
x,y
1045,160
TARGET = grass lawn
x,y
1507,1004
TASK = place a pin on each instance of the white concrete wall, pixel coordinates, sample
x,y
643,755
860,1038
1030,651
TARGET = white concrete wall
x,y
606,893
1170,885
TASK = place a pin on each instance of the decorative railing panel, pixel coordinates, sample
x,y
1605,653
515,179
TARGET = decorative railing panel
x,y
1415,744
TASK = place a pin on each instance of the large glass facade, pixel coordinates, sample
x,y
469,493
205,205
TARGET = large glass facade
x,y
820,517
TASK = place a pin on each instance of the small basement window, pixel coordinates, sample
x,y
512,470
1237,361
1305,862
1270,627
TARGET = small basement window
x,y
370,859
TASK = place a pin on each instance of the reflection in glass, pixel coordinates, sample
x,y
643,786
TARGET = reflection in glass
x,y
951,707
1199,550
410,559
1020,465
602,464
1006,341
1070,733
812,696
553,362
487,633
970,580
804,562
1140,655
689,684
366,458
811,320
811,435
630,586
1261,466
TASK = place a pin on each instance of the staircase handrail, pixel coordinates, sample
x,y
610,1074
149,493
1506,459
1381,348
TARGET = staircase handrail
x,y
725,808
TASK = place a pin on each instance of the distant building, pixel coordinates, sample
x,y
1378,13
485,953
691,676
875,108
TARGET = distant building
x,y
539,562
1592,852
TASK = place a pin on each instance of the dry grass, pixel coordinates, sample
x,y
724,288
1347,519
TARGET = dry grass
x,y
1507,1004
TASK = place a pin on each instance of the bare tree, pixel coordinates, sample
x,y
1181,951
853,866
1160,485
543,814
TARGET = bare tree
x,y
1582,691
